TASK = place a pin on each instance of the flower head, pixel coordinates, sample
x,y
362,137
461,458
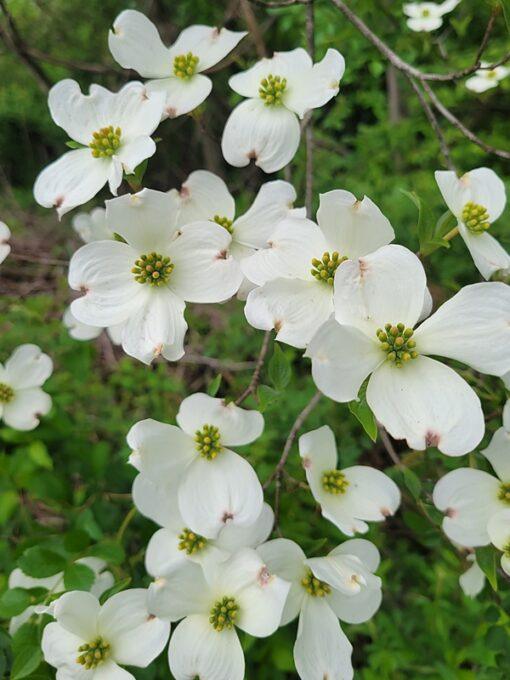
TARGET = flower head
x,y
427,16
472,580
5,235
92,226
486,78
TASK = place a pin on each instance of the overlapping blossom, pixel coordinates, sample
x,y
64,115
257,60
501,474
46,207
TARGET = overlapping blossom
x,y
5,235
427,16
486,78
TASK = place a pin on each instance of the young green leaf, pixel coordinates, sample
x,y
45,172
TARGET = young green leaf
x,y
214,386
279,368
41,562
487,561
78,577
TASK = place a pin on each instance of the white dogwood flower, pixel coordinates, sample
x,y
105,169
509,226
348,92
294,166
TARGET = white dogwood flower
x,y
472,580
265,128
82,331
486,78
240,592
92,226
89,640
427,16
143,282
176,71
378,302
341,585
216,487
5,235
113,134
499,532
22,401
477,199
348,497
296,270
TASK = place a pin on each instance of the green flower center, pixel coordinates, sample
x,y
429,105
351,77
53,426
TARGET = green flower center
x,y
185,65
93,653
475,217
224,613
492,75
207,442
191,542
325,268
152,268
224,222
425,13
271,90
314,586
396,342
105,142
6,393
504,493
334,481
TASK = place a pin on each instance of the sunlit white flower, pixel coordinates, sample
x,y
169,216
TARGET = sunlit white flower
x,y
378,302
265,128
296,270
91,641
324,589
477,199
216,487
22,401
176,71
486,78
427,16
5,235
82,331
145,282
472,580
499,532
92,226
113,131
240,592
347,497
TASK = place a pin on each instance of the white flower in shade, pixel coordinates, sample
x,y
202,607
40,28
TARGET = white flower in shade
x,y
176,71
472,580
378,302
91,641
22,400
92,226
427,16
145,282
5,235
114,131
82,331
499,533
341,585
265,128
477,199
216,487
486,78
240,592
18,579
296,270
349,497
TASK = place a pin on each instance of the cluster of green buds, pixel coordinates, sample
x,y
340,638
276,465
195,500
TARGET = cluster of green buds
x,y
504,493
334,481
224,613
152,268
105,142
396,342
224,222
325,268
6,393
207,442
271,90
93,653
475,217
191,542
314,586
185,65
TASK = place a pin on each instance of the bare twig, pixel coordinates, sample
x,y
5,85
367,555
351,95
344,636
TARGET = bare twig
x,y
217,364
38,260
280,3
71,64
254,28
310,46
388,445
255,379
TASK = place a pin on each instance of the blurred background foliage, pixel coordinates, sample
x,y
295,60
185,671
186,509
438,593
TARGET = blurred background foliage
x,y
69,478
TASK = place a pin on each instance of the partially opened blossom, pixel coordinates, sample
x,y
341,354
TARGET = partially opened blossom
x,y
477,199
113,132
378,302
472,580
93,641
487,78
295,272
427,16
22,401
175,71
341,585
238,593
281,90
144,282
92,226
82,331
349,497
215,486
499,532
5,235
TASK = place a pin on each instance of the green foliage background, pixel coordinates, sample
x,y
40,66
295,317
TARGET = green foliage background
x,y
66,484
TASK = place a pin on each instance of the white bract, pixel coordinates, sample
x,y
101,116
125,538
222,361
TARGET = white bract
x,y
114,132
22,401
499,532
92,226
5,235
486,78
296,270
175,71
216,487
82,331
341,585
91,641
350,496
427,16
281,90
472,580
145,282
378,302
477,199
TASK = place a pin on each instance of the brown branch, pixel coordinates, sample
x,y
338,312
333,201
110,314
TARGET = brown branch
x,y
280,3
38,260
255,379
388,445
253,27
74,65
310,46
216,364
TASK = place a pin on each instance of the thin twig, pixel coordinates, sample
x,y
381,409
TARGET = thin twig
x,y
388,445
79,65
38,260
255,379
310,46
254,28
280,3
217,364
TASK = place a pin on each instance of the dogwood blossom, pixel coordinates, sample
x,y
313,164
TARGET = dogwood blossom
x,y
212,601
341,585
347,497
215,486
22,400
427,16
296,270
472,580
92,226
265,128
486,78
378,301
112,132
5,235
499,532
477,199
82,331
143,282
89,640
175,71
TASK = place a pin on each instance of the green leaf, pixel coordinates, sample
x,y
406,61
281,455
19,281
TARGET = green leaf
x,y
214,386
39,455
266,395
424,225
487,561
26,649
279,368
445,224
362,411
41,562
75,145
13,602
111,552
116,588
76,541
412,482
87,522
78,577
9,501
